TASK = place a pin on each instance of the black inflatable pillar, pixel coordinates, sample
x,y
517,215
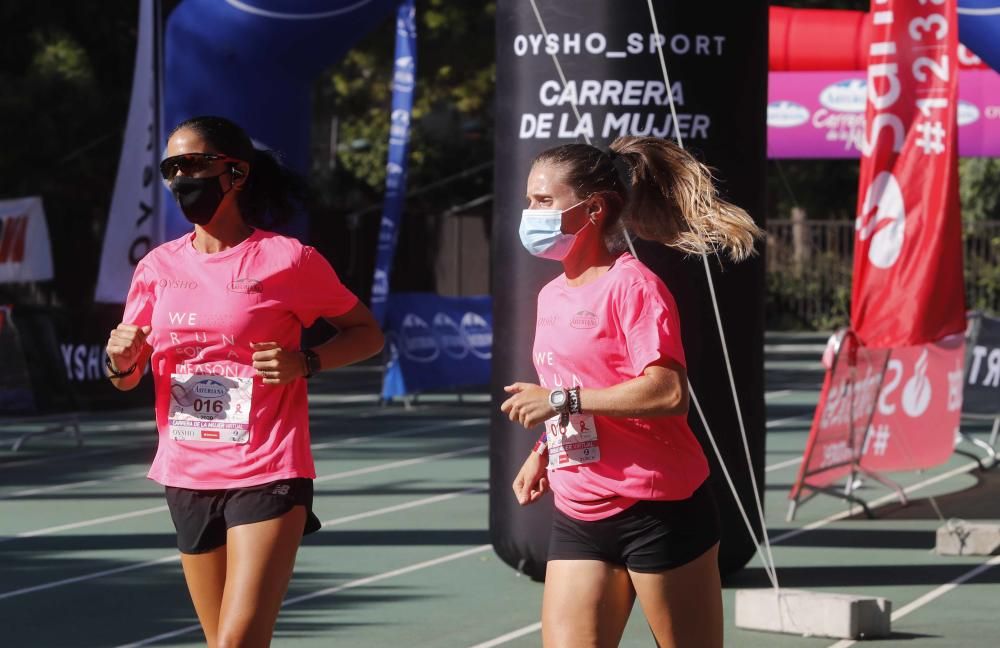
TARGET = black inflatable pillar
x,y
716,56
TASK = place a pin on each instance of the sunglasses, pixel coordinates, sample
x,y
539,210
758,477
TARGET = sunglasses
x,y
190,163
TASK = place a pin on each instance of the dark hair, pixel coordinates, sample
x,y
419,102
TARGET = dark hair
x,y
660,192
271,190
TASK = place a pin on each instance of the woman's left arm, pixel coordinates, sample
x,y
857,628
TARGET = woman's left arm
x,y
358,338
661,390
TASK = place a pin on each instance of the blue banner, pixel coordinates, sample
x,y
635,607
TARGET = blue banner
x,y
403,83
979,26
256,62
437,342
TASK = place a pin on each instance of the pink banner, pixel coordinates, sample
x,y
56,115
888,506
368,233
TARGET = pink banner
x,y
919,408
884,410
846,405
822,114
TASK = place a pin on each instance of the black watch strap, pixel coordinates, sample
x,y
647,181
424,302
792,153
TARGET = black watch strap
x,y
312,363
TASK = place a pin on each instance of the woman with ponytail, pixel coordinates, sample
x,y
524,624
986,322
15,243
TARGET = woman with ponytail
x,y
217,315
634,514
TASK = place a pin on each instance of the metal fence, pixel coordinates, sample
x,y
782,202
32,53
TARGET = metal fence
x,y
809,266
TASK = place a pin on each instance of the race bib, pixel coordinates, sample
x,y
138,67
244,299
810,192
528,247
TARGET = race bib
x,y
210,408
573,445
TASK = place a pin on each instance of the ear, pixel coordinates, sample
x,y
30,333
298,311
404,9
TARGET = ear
x,y
241,170
596,208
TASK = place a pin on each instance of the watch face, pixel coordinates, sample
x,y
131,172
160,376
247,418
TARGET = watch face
x,y
557,398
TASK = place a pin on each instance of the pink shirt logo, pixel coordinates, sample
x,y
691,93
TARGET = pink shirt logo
x,y
584,320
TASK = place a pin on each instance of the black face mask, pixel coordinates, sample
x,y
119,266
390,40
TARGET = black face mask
x,y
198,198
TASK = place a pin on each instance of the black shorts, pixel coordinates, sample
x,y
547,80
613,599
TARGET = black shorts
x,y
648,537
202,517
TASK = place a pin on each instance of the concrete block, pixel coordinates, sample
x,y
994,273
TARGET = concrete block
x,y
813,614
968,539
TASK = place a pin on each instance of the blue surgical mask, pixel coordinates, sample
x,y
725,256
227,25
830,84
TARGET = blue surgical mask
x,y
541,233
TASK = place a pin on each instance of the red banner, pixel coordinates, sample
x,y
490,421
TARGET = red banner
x,y
908,286
850,392
884,410
919,408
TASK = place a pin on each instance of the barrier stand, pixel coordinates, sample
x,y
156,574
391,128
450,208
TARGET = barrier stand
x,y
980,403
855,440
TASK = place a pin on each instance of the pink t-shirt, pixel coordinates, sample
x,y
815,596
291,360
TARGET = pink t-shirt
x,y
219,425
599,335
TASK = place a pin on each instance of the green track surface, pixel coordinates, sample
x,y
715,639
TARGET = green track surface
x,y
87,555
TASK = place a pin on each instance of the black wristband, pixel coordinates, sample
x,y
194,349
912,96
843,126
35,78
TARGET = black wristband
x,y
115,373
574,401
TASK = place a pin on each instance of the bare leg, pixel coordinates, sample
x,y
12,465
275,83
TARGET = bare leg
x,y
206,577
261,557
684,605
586,604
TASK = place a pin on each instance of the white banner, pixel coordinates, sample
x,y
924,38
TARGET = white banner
x,y
25,254
135,225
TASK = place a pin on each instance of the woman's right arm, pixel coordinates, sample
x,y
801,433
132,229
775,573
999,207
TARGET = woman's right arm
x,y
127,348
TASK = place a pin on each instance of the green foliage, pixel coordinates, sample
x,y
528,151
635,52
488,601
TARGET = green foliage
x,y
451,128
66,73
814,295
979,188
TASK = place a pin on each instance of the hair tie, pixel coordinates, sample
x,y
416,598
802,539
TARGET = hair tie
x,y
622,170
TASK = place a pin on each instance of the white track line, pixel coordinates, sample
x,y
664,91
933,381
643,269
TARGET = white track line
x,y
400,433
176,557
401,463
783,464
27,492
511,636
875,503
87,577
801,418
778,393
360,582
76,455
931,595
404,506
317,446
85,523
324,478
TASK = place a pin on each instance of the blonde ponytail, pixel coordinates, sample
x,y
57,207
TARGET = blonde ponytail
x,y
671,198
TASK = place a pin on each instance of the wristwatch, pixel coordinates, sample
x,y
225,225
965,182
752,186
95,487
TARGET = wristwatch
x,y
559,400
312,363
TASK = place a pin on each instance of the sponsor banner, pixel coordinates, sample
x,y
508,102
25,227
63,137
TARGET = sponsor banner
x,y
437,342
16,396
64,352
822,114
846,405
821,39
25,251
981,395
884,410
908,287
919,408
716,55
403,85
134,224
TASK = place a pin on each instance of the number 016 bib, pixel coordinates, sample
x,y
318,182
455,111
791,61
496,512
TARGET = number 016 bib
x,y
574,444
210,408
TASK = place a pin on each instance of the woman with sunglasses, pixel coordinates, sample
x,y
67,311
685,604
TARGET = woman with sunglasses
x,y
634,514
218,315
